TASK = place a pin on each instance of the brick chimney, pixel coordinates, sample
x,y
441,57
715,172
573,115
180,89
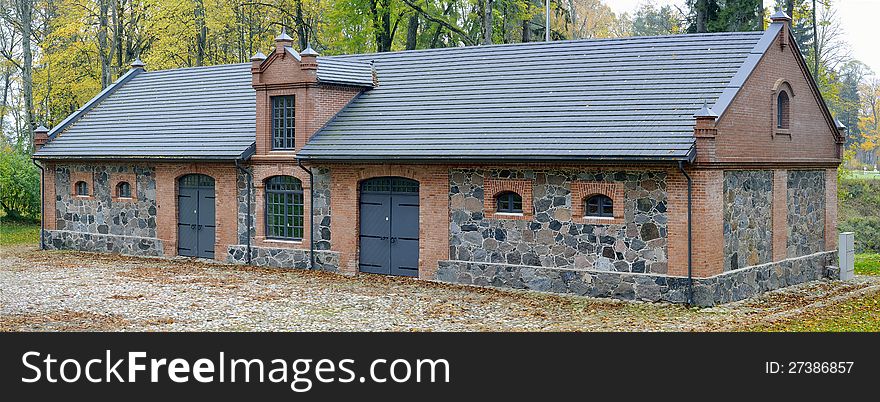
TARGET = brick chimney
x,y
283,40
308,58
705,132
41,137
780,17
841,136
256,62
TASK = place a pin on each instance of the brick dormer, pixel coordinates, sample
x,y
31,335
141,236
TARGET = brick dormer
x,y
307,82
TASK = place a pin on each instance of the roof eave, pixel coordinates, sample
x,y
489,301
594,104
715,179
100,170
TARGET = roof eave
x,y
688,157
154,158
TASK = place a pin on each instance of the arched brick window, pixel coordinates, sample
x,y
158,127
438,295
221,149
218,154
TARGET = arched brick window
x,y
123,189
599,206
81,188
509,202
783,110
284,208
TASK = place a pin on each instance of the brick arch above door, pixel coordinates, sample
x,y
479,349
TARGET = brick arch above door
x,y
225,179
433,211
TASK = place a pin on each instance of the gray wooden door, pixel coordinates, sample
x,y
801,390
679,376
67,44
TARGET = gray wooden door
x,y
196,225
389,226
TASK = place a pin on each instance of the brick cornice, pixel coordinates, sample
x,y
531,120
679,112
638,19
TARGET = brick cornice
x,y
285,85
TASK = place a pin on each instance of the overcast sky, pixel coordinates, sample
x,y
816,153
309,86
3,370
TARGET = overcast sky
x,y
859,18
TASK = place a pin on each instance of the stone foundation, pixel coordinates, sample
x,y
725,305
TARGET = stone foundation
x,y
284,257
128,245
724,288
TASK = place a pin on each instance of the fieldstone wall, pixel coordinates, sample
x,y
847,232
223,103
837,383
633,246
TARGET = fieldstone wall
x,y
99,214
724,288
129,245
806,212
321,209
241,184
748,218
284,258
100,223
552,238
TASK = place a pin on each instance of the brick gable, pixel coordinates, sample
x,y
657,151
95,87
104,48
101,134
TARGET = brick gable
x,y
747,130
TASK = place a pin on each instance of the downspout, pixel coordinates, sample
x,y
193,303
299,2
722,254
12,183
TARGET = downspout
x,y
250,218
311,212
42,204
690,280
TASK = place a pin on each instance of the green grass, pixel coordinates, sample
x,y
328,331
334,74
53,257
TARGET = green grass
x,y
867,264
859,174
858,315
14,232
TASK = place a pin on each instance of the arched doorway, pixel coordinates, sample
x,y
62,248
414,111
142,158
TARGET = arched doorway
x,y
196,223
389,226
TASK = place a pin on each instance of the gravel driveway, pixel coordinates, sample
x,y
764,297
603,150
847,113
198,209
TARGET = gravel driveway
x,y
74,291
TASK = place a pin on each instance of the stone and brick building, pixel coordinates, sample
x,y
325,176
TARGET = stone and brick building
x,y
657,168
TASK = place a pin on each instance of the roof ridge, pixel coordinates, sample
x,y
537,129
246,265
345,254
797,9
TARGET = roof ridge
x,y
551,43
198,67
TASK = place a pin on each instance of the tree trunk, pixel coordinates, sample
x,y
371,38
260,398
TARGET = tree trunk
x,y
201,32
487,22
118,18
789,8
574,19
412,32
382,24
526,31
301,28
25,13
103,49
7,74
701,8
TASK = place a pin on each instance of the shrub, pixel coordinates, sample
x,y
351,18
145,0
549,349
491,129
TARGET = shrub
x,y
867,232
859,203
19,185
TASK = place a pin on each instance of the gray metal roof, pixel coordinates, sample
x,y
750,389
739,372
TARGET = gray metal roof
x,y
625,99
337,71
612,99
347,72
189,113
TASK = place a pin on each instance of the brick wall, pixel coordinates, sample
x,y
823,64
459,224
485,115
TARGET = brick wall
x,y
433,211
707,218
747,130
49,197
280,75
707,222
553,234
780,214
226,204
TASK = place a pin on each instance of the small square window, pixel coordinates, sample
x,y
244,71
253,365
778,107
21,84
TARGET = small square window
x,y
81,188
123,190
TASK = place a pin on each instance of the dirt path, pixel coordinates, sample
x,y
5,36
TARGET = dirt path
x,y
73,291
